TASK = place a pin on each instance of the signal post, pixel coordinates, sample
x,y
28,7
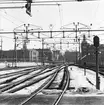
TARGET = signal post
x,y
96,44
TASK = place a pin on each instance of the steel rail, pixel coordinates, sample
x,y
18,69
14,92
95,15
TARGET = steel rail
x,y
48,87
12,85
8,97
13,78
8,86
65,88
41,88
30,83
18,72
20,75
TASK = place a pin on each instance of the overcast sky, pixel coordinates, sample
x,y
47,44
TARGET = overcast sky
x,y
88,12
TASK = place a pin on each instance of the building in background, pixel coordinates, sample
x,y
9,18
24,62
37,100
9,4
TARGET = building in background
x,y
88,53
70,56
32,55
55,55
45,54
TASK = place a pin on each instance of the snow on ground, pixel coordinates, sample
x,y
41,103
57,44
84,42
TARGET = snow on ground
x,y
84,84
2,65
81,80
30,89
78,80
29,75
13,70
24,64
19,64
59,77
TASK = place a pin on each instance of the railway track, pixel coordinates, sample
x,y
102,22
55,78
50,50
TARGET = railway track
x,y
8,80
64,87
14,86
30,80
47,83
29,83
47,79
45,74
26,70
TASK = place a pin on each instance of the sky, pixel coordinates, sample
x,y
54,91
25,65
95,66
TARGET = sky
x,y
86,12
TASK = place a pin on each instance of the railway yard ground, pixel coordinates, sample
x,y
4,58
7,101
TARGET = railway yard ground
x,y
34,84
49,99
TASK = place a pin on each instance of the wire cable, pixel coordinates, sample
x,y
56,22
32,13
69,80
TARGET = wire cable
x,y
13,17
96,10
61,18
10,20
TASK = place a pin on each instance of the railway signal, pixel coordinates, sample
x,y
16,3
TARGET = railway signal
x,y
28,7
96,41
96,44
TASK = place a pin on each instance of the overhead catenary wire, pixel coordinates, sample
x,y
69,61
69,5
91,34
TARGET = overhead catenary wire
x,y
13,17
9,20
95,13
61,21
96,10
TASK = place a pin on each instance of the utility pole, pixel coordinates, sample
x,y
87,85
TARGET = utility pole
x,y
76,37
15,50
97,69
76,54
1,46
25,42
24,31
79,50
76,32
42,51
60,44
96,44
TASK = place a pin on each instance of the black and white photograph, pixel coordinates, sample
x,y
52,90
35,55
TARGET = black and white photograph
x,y
51,52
